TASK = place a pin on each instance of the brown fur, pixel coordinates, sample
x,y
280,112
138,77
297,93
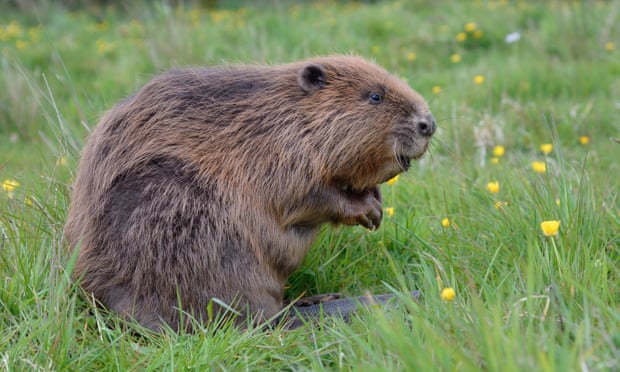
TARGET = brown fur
x,y
212,183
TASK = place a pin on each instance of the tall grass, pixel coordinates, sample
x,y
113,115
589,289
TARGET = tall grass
x,y
523,300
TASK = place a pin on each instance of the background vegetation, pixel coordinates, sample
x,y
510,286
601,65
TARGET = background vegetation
x,y
502,78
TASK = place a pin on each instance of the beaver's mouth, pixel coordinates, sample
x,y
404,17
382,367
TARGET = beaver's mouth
x,y
374,190
404,162
353,191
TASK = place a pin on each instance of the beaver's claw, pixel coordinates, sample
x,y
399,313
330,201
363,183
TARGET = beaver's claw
x,y
363,209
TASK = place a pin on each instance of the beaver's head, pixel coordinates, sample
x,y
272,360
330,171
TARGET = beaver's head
x,y
369,124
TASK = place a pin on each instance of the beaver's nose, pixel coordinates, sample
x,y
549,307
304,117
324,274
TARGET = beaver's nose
x,y
427,126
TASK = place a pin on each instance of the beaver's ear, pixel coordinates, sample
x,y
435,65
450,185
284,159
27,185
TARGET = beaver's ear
x,y
311,77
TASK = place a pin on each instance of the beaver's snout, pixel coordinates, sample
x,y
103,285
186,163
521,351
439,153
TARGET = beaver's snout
x,y
426,126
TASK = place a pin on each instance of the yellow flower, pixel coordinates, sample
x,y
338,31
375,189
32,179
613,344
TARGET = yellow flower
x,y
445,222
500,204
448,294
9,186
493,187
13,30
461,36
62,161
557,201
539,166
393,180
104,47
478,79
609,46
455,58
34,33
21,44
411,56
436,89
550,228
137,28
375,49
546,148
470,27
477,34
295,9
584,140
194,16
389,211
499,151
494,160
28,201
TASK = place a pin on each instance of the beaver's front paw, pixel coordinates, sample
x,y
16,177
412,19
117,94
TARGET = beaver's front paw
x,y
362,209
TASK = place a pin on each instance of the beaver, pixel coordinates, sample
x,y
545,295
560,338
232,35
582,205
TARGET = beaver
x,y
205,189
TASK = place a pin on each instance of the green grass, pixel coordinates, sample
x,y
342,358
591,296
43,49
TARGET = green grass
x,y
523,301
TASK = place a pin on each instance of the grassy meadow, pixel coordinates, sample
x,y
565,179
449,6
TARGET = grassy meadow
x,y
527,99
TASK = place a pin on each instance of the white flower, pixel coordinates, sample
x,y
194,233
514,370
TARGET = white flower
x,y
512,37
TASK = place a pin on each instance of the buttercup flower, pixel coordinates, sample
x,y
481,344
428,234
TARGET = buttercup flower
x,y
9,186
500,204
461,36
12,30
411,56
470,27
436,89
609,46
550,228
455,58
448,294
546,148
499,151
445,222
539,166
493,187
584,140
389,211
494,160
104,47
393,180
34,33
478,79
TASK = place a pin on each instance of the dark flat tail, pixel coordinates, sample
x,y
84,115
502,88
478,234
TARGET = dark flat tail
x,y
297,315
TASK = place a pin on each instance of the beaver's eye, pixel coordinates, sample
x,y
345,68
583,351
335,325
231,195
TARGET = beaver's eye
x,y
375,98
